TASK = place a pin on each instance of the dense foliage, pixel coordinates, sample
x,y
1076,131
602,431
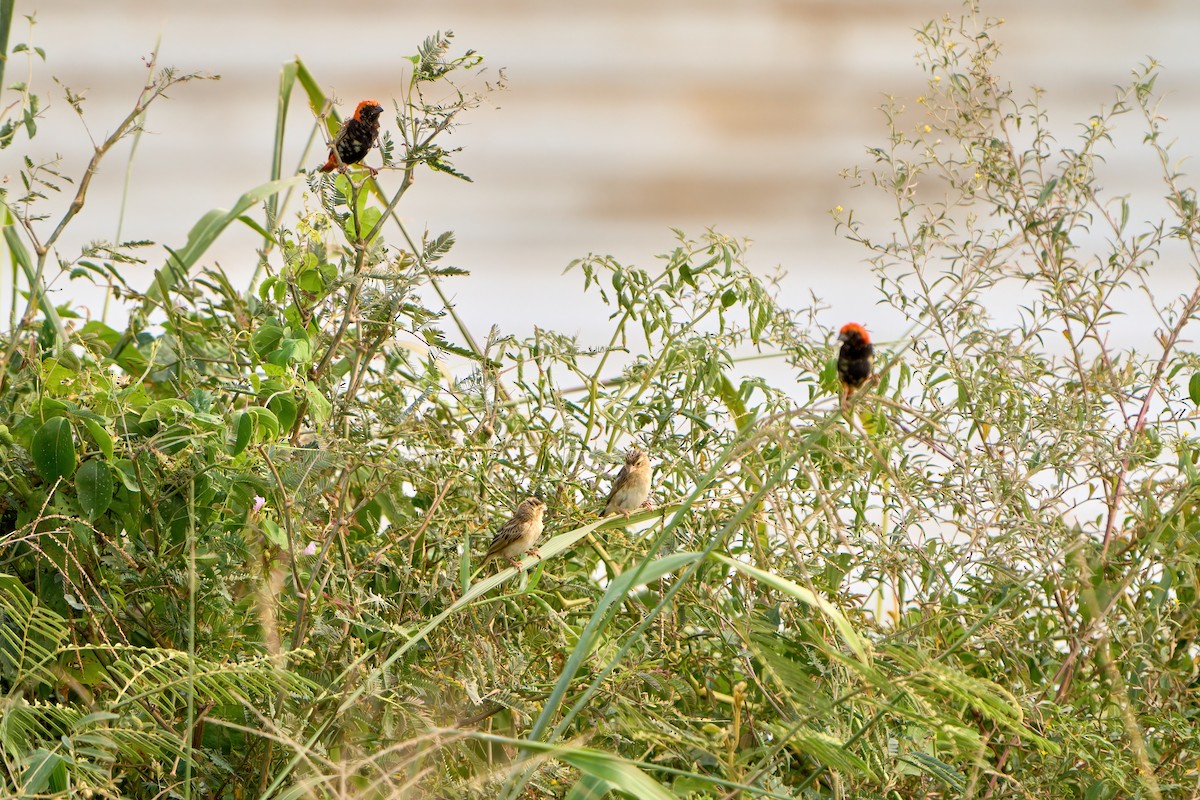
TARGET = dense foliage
x,y
238,536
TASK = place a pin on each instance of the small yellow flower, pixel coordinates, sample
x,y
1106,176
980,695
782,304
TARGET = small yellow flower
x,y
838,209
937,78
921,99
1094,122
928,129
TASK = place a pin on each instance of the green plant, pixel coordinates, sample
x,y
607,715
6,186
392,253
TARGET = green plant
x,y
238,535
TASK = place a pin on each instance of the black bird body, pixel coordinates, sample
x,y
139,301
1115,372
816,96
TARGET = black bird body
x,y
856,359
356,137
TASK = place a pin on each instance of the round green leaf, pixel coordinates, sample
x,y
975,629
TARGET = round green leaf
x,y
54,449
310,281
94,487
1194,388
266,339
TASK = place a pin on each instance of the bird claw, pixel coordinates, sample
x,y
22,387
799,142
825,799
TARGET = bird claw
x,y
516,562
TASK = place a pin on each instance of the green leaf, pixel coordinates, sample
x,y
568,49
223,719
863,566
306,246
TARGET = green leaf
x,y
274,534
831,751
266,339
284,407
310,280
733,401
948,775
369,218
589,787
1194,388
130,360
1046,192
266,421
1099,791
45,773
295,351
621,774
21,257
592,634
287,79
54,449
127,472
839,621
171,408
94,487
439,246
316,95
100,436
243,429
318,405
57,379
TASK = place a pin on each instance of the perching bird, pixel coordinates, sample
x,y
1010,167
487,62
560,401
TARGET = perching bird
x,y
518,534
631,486
356,137
856,358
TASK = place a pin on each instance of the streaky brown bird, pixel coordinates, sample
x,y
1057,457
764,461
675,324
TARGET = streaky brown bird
x,y
631,486
518,535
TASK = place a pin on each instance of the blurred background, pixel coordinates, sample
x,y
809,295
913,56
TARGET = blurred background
x,y
620,120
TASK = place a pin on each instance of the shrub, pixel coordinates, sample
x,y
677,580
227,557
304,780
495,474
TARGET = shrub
x,y
238,535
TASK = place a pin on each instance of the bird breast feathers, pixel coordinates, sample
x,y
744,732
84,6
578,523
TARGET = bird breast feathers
x,y
631,483
516,533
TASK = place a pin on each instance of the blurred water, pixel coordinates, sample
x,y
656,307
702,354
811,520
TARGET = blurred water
x,y
621,120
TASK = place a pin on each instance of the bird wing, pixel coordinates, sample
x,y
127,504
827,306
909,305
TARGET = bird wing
x,y
509,532
617,485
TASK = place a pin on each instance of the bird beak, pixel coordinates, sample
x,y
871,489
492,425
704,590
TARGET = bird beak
x,y
841,337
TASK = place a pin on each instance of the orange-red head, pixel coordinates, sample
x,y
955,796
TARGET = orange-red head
x,y
854,333
368,111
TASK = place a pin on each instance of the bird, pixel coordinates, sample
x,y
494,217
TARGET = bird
x,y
632,485
855,359
518,534
356,137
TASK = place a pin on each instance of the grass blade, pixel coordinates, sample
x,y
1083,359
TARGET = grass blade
x,y
809,598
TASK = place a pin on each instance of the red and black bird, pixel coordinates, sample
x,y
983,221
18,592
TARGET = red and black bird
x,y
856,358
356,137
